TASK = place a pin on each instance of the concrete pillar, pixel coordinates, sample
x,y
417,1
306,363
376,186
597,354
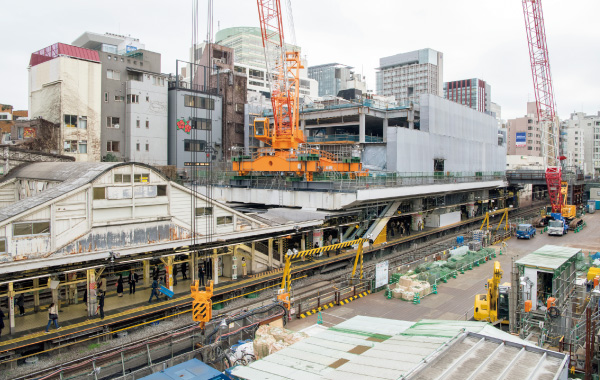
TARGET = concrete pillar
x,y
341,235
234,263
303,243
414,225
253,266
215,260
270,262
361,127
385,129
91,289
470,210
411,119
11,308
281,253
417,204
146,264
36,295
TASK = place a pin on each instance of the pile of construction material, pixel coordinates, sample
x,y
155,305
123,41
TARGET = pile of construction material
x,y
408,286
270,339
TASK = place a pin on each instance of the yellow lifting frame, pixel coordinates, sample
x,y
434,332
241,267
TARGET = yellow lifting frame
x,y
486,220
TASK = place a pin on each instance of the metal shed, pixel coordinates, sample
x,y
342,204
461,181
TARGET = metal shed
x,y
548,272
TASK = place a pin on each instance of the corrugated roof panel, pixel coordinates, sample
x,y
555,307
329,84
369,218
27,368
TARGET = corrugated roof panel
x,y
58,49
549,256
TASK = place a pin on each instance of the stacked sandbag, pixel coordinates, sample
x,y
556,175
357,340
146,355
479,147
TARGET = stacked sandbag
x,y
272,339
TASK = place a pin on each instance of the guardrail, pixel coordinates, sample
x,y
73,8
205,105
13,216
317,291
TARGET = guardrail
x,y
333,297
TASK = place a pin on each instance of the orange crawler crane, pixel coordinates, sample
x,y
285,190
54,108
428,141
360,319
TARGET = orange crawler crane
x,y
286,152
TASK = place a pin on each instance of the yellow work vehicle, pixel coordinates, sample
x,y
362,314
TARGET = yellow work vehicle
x,y
493,306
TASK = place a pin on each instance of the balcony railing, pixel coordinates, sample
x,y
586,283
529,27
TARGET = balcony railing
x,y
342,137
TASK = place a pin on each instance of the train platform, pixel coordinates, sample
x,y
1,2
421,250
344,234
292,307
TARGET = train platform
x,y
73,319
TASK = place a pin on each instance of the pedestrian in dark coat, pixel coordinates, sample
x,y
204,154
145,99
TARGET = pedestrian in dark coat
x,y
120,285
201,274
1,321
132,279
21,304
184,270
174,275
101,303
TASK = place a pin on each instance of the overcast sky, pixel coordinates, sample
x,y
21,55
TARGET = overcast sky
x,y
484,39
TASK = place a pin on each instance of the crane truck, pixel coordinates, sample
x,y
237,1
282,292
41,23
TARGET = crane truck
x,y
493,305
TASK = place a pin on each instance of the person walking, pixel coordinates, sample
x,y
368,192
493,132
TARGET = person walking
x,y
132,279
184,270
101,304
201,273
154,292
21,303
52,317
244,270
174,275
120,285
1,321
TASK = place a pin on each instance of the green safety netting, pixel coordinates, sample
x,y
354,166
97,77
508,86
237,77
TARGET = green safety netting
x,y
435,270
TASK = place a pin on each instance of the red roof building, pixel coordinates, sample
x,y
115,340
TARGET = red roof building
x,y
60,49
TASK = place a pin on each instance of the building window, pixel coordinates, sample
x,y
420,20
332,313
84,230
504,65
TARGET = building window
x,y
161,190
31,228
141,177
147,124
147,98
82,122
122,178
71,121
106,97
135,76
221,220
199,123
119,98
131,98
137,123
70,146
137,147
147,147
82,146
158,81
239,108
112,146
2,245
112,74
112,122
199,102
194,145
99,192
204,211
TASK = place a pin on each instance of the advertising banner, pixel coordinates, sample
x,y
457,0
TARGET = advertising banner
x,y
521,140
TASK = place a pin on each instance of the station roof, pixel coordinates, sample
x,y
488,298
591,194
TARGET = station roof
x,y
71,176
377,348
549,257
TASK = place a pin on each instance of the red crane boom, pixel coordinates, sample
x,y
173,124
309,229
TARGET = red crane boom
x,y
544,97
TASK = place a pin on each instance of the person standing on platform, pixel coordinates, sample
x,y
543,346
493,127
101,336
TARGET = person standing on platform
x,y
102,284
155,271
184,270
132,279
52,317
21,304
120,285
201,273
408,229
101,304
85,298
244,270
174,275
1,321
154,292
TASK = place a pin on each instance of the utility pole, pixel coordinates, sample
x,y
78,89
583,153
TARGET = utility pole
x,y
512,299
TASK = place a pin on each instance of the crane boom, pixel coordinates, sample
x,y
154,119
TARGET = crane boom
x,y
544,97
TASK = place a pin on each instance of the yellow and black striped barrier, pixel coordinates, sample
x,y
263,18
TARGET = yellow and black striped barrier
x,y
311,252
331,304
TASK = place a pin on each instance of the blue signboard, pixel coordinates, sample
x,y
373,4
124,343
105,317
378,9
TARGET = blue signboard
x,y
521,139
130,48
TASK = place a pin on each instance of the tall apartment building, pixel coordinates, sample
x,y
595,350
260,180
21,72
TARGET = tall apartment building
x,y
408,75
65,89
524,134
336,77
249,59
134,108
474,93
588,142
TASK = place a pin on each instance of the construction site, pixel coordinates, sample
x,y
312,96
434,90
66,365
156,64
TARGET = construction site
x,y
358,238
